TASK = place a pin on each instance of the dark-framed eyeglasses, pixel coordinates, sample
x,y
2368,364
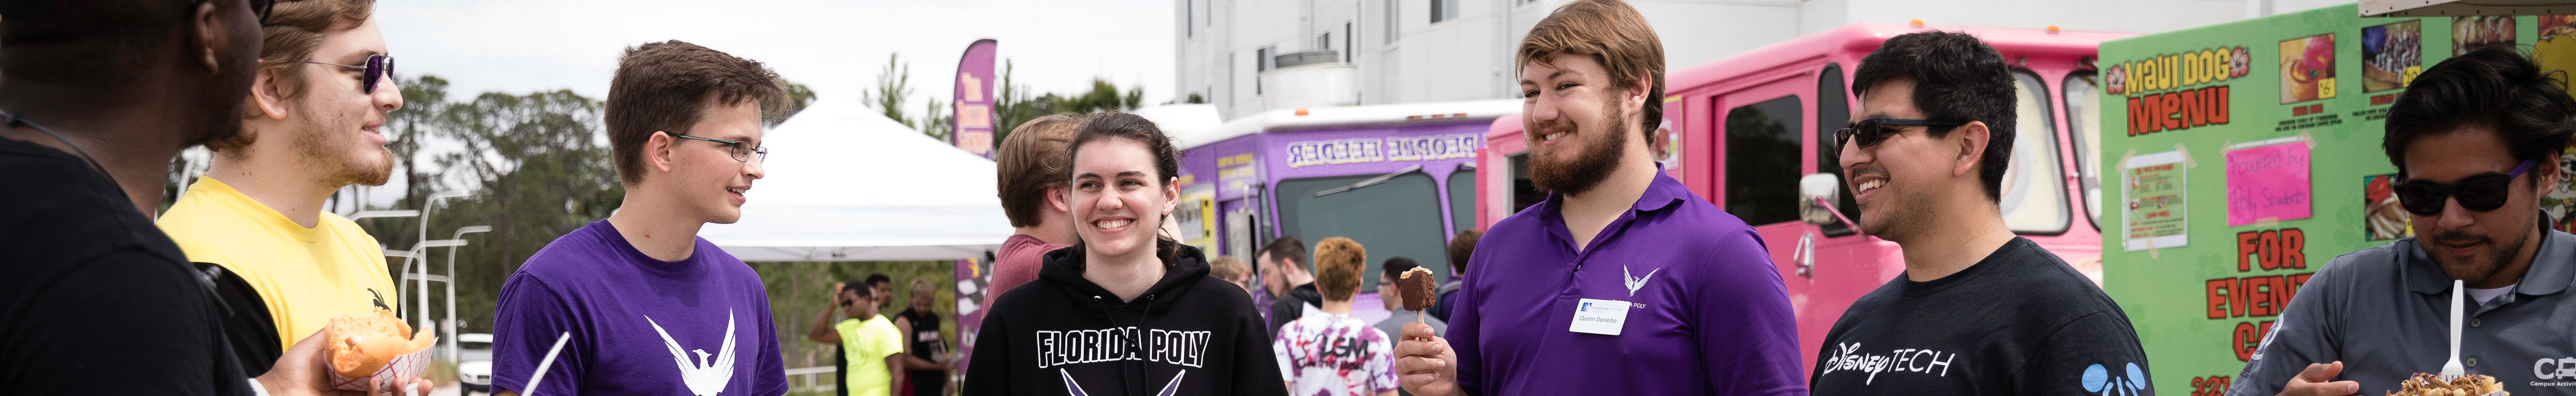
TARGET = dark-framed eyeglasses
x,y
1868,131
2478,194
741,151
376,68
260,7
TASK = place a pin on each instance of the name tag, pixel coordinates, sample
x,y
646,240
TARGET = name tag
x,y
1599,316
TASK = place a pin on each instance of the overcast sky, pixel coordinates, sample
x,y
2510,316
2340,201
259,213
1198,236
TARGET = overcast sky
x,y
835,46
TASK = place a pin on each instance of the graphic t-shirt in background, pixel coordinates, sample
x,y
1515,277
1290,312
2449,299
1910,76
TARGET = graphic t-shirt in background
x,y
1334,355
2019,322
927,345
867,343
640,326
306,276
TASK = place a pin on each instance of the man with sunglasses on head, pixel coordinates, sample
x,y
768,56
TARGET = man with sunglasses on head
x,y
650,308
2477,141
321,92
1978,310
96,99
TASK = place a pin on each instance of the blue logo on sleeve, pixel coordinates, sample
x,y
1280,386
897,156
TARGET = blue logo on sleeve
x,y
1587,307
2099,379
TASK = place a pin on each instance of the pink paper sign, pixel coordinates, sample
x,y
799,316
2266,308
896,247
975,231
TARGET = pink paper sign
x,y
2267,182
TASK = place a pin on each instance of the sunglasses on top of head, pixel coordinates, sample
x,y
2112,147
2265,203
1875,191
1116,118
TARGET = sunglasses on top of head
x,y
377,67
1868,131
2477,194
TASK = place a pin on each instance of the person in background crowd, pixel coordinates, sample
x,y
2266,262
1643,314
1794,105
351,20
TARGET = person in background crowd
x,y
1123,289
865,335
1331,353
97,97
1291,287
1632,284
1030,166
925,352
1232,270
323,89
1461,247
882,286
1927,153
2477,141
640,290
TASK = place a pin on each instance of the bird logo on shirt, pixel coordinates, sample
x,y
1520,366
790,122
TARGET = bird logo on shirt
x,y
704,378
1636,282
1075,388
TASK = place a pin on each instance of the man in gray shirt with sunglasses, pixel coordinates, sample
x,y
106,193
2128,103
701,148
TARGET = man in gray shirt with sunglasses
x,y
2477,140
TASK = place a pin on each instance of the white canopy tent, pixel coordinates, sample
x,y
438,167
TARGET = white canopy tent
x,y
844,183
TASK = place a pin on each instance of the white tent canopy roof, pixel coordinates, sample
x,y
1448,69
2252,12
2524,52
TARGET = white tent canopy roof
x,y
844,183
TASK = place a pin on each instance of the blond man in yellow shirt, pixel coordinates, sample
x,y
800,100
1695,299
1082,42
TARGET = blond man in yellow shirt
x,y
311,126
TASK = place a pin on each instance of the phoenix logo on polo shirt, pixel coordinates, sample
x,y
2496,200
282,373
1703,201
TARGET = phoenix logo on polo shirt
x,y
1636,282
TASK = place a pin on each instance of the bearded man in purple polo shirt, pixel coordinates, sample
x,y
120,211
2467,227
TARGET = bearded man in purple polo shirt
x,y
1621,282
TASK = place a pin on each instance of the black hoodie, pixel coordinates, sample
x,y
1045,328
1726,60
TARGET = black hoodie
x,y
1063,335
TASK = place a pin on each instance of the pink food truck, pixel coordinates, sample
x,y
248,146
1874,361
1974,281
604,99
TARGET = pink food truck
x,y
1753,133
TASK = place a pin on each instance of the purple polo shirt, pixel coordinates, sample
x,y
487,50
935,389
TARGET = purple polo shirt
x,y
1714,318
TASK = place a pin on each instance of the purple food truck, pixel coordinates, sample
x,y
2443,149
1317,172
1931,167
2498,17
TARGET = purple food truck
x,y
1397,178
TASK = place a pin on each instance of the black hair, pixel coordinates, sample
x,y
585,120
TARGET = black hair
x,y
2494,87
861,286
90,42
1134,128
1956,78
874,279
1286,247
1395,268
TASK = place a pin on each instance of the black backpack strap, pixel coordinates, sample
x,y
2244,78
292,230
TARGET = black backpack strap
x,y
247,324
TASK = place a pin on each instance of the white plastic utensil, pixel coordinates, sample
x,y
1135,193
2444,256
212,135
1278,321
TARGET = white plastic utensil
x,y
540,376
2452,370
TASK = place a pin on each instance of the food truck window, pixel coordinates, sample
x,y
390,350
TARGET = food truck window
x,y
1762,161
1397,218
1524,192
2034,190
2084,109
1833,111
1462,200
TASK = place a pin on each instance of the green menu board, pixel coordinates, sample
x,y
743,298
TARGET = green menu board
x,y
2248,156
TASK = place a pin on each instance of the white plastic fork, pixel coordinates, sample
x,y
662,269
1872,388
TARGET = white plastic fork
x,y
2452,371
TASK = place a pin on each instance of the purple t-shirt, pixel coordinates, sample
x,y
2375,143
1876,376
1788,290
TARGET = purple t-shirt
x,y
1708,313
640,326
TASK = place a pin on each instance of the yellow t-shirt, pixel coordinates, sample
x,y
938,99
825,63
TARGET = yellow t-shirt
x,y
866,344
306,275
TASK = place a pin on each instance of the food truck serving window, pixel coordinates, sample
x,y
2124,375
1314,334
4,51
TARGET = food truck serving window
x,y
1398,218
1462,201
2034,190
1762,161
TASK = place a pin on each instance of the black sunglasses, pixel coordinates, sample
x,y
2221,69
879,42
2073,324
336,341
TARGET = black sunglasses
x,y
1870,130
2480,194
377,67
260,7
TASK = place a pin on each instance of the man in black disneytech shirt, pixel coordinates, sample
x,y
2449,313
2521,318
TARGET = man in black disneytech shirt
x,y
98,96
1979,310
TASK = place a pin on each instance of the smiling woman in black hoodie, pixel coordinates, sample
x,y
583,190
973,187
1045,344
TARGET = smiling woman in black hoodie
x,y
1124,311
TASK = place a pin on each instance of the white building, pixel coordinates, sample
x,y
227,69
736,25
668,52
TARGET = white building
x,y
1449,50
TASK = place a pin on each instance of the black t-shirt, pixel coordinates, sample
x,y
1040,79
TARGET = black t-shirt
x,y
93,298
1287,309
927,345
2019,322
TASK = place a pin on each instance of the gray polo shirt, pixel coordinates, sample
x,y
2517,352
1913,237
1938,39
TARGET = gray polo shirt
x,y
2385,312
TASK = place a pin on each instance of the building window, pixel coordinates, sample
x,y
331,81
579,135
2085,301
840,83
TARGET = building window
x,y
1442,10
1324,42
1190,18
1261,63
1392,26
1347,47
